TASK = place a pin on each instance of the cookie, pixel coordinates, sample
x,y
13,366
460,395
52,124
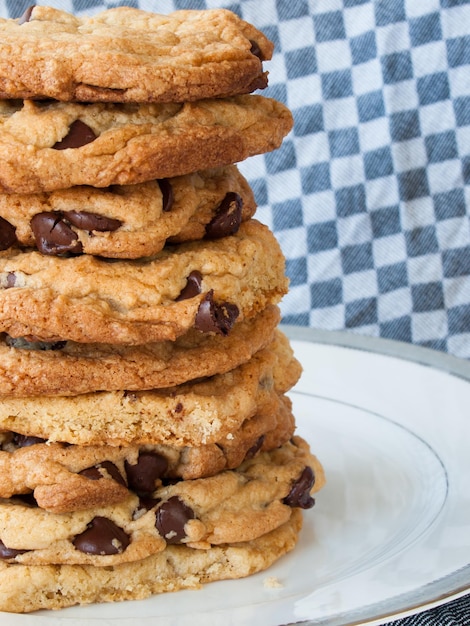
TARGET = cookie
x,y
194,413
129,55
26,588
233,506
64,478
207,285
55,145
30,368
128,221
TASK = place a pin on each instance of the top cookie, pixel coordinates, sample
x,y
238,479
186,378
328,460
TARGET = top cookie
x,y
129,55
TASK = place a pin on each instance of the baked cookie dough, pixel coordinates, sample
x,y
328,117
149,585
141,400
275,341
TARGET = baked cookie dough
x,y
233,506
31,368
208,285
26,588
128,221
64,478
55,145
192,414
129,55
196,413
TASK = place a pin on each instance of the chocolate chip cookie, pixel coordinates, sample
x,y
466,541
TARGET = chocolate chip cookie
x,y
129,55
128,221
192,414
54,145
207,285
26,588
233,506
63,478
35,368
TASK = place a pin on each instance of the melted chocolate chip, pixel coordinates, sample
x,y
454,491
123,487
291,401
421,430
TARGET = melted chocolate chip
x,y
7,234
227,219
299,495
9,553
255,448
167,194
24,441
79,135
170,519
93,473
256,50
26,15
145,504
216,318
101,537
192,287
53,236
143,475
91,221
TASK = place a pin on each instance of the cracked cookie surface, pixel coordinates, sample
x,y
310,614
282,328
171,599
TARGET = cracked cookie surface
x,y
126,54
55,145
90,300
129,221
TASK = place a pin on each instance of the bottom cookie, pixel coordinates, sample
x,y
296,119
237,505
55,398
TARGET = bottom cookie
x,y
26,588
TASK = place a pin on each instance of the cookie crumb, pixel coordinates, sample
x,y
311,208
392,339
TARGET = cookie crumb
x,y
272,582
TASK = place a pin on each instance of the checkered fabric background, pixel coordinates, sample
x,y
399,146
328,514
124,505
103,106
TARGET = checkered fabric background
x,y
369,195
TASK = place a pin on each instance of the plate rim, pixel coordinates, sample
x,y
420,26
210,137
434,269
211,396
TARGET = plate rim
x,y
442,590
443,361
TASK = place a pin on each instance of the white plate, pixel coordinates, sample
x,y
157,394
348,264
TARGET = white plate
x,y
389,534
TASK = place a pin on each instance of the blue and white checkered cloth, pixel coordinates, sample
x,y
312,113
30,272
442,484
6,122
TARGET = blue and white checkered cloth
x,y
369,195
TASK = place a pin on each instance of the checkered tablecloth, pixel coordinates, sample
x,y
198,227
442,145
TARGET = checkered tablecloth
x,y
369,195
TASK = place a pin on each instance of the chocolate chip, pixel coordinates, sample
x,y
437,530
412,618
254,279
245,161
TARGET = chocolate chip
x,y
53,236
145,504
216,318
167,194
7,234
27,343
91,221
26,15
24,441
171,517
9,553
142,476
256,50
255,448
102,536
93,473
79,135
299,495
192,287
227,219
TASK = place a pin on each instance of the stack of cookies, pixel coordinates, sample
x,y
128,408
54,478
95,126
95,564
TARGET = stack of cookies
x,y
147,442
